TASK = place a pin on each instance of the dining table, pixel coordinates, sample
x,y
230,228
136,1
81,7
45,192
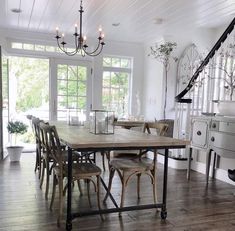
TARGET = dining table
x,y
81,139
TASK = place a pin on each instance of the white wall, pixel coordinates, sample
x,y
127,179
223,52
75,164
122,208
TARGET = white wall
x,y
153,85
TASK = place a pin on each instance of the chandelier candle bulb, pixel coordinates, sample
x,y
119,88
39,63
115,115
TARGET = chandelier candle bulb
x,y
57,31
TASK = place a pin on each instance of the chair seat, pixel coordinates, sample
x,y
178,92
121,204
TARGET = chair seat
x,y
81,170
132,164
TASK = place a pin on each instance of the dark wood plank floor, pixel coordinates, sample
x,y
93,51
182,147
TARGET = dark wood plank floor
x,y
191,205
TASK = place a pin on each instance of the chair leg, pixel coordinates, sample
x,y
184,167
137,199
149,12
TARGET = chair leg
x,y
60,182
37,160
98,196
43,173
138,185
53,190
123,191
80,187
40,167
103,160
47,178
154,183
88,192
111,174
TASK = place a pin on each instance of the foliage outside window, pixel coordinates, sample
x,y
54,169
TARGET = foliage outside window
x,y
116,84
72,91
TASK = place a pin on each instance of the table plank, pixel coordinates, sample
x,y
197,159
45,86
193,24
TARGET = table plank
x,y
77,137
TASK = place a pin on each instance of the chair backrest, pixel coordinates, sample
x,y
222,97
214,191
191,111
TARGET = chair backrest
x,y
51,142
35,126
160,128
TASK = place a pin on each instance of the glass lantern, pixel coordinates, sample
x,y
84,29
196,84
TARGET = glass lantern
x,y
101,122
76,117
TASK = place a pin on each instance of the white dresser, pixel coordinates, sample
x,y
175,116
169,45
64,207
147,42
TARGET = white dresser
x,y
213,133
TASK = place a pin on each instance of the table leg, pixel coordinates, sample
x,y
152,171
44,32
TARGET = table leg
x,y
164,196
189,163
208,163
69,194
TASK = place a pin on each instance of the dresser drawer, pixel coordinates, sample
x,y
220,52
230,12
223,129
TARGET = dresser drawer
x,y
227,127
222,141
199,133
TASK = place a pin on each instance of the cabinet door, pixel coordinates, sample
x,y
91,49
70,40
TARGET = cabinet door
x,y
199,137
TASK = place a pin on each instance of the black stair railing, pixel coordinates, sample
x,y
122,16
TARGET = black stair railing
x,y
179,98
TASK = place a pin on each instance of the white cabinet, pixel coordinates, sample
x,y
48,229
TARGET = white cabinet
x,y
216,134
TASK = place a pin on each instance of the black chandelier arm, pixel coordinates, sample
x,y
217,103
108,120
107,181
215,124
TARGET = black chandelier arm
x,y
94,53
72,53
101,42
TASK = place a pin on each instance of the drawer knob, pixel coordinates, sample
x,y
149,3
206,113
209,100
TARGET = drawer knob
x,y
212,138
199,133
213,125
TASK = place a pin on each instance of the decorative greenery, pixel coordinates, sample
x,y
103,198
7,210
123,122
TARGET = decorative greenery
x,y
227,66
163,54
16,127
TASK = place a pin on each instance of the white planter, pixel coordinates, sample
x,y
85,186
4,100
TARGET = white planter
x,y
14,152
226,108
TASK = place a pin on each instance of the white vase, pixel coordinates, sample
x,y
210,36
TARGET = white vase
x,y
14,153
226,108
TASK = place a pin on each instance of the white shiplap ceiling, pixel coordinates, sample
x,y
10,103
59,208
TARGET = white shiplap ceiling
x,y
137,18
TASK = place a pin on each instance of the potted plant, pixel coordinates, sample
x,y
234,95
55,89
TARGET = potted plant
x,y
15,128
163,54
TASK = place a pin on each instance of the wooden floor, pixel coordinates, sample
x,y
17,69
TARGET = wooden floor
x,y
191,205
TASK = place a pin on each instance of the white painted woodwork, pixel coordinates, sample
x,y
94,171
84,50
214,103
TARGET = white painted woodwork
x,y
136,17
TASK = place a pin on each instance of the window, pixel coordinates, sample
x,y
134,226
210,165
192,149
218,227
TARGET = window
x,y
116,84
72,88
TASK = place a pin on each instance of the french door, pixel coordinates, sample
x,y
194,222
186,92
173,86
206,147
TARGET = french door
x,y
70,88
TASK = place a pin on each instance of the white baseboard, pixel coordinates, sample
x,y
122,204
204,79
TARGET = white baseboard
x,y
177,164
220,174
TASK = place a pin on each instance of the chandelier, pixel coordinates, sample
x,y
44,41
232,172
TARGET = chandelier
x,y
80,40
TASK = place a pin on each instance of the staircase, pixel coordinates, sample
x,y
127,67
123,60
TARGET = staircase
x,y
185,107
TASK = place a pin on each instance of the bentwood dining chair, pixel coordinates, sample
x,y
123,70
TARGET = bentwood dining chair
x,y
35,128
81,171
136,165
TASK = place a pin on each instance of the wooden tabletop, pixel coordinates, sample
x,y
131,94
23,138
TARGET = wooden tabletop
x,y
78,137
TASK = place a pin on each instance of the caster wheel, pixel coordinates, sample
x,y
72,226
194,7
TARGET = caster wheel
x,y
163,215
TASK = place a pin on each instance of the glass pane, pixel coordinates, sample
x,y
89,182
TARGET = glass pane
x,y
72,72
72,102
114,79
62,72
106,79
107,62
123,79
125,63
50,48
72,88
82,102
62,87
115,95
28,46
39,48
116,62
81,88
106,96
17,45
82,73
62,101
